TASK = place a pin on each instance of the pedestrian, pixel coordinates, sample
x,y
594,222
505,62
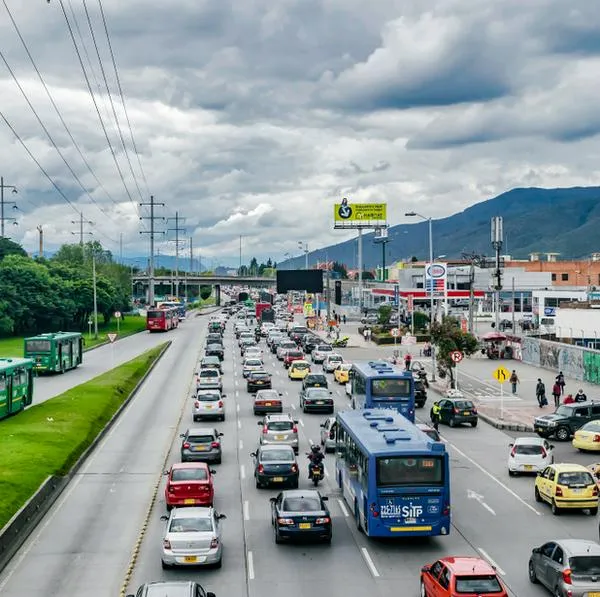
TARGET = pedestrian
x,y
407,361
369,332
556,393
569,399
514,380
560,380
540,393
337,333
580,396
434,415
344,318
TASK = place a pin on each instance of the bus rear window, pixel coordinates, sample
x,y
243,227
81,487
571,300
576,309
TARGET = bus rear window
x,y
38,345
410,470
156,314
386,388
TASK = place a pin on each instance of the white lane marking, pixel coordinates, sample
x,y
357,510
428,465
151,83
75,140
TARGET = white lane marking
x,y
487,473
250,565
472,495
343,508
239,424
237,393
310,441
301,422
287,393
237,407
487,557
241,445
278,372
236,382
246,510
293,405
369,562
242,471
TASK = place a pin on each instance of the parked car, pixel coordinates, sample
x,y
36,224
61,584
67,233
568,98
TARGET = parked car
x,y
258,380
189,484
529,455
208,404
192,537
172,588
279,429
267,401
329,434
316,400
275,465
201,444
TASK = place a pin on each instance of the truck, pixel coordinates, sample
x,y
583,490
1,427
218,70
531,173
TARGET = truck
x,y
260,307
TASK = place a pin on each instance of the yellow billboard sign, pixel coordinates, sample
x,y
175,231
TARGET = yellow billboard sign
x,y
359,212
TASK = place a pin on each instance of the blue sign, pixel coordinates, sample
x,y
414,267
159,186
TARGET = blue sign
x,y
549,311
396,294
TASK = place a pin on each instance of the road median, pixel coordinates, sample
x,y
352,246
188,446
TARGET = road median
x,y
42,448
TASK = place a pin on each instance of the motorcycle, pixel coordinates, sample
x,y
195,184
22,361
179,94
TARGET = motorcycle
x,y
341,343
317,473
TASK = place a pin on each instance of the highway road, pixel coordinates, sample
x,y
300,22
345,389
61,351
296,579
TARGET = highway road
x,y
85,543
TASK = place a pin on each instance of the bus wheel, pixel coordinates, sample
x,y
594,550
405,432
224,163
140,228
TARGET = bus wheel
x,y
357,517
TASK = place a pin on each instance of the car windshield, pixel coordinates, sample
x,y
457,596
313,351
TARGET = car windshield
x,y
200,439
253,363
324,348
38,345
277,456
300,331
585,565
210,362
478,584
280,425
287,344
563,411
592,426
528,449
190,525
209,373
208,397
575,479
189,474
301,504
294,353
316,379
214,346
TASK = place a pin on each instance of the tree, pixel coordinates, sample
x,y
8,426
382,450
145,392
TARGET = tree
x,y
414,259
384,314
341,269
421,320
448,337
367,276
8,247
253,266
205,292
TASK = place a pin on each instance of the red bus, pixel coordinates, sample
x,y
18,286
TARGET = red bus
x,y
162,320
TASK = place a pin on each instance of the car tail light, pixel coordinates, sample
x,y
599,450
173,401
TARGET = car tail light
x,y
324,520
595,491
196,404
294,429
170,489
265,430
513,452
166,544
566,574
596,438
220,404
214,543
215,444
261,468
558,492
294,468
285,521
186,445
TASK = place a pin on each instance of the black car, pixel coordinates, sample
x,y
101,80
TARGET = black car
x,y
215,350
275,465
301,514
316,400
315,380
258,380
309,342
566,420
213,338
455,411
172,588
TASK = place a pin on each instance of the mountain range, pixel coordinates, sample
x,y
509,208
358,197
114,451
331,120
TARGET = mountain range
x,y
564,221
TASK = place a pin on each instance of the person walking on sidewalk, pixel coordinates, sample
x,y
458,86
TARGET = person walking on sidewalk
x,y
556,390
514,380
560,380
344,318
540,393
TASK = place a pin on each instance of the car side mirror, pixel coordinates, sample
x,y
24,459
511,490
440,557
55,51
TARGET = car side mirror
x,y
253,454
221,517
259,423
325,498
212,471
182,435
273,500
330,392
426,568
552,446
164,517
208,594
295,422
322,425
165,472
536,550
220,434
280,394
223,395
510,445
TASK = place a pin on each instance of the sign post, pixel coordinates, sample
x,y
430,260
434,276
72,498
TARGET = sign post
x,y
456,357
501,375
118,318
395,332
90,322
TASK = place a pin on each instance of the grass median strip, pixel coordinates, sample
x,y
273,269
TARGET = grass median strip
x,y
47,439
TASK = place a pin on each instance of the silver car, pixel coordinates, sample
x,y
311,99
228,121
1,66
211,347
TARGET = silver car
x,y
332,362
201,444
320,352
211,363
252,364
208,404
283,347
192,538
328,434
567,567
209,379
279,429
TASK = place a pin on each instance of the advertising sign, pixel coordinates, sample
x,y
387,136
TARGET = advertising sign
x,y
359,212
436,275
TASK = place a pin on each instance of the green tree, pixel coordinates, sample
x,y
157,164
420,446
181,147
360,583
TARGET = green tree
x,y
341,269
253,266
421,320
384,314
205,292
368,276
448,337
8,247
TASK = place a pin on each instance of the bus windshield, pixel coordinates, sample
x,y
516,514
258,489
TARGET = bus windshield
x,y
386,388
410,470
156,314
38,345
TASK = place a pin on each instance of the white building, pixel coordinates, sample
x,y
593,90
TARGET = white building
x,y
545,306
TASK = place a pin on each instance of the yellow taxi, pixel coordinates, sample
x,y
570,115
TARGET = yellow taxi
x,y
299,369
565,486
587,438
342,373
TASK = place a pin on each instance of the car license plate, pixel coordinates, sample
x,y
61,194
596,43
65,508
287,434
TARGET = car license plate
x,y
208,407
304,525
189,501
577,491
320,402
594,594
277,479
280,437
466,413
317,385
267,404
200,448
528,467
190,559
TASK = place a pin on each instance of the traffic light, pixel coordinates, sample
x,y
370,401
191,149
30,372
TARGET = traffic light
x,y
338,292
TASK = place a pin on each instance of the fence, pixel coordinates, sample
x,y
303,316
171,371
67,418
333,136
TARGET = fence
x,y
575,362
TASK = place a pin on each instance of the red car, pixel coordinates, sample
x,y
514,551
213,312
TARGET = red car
x,y
291,356
461,576
189,484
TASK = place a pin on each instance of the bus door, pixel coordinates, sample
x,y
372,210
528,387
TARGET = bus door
x,y
28,396
60,357
69,350
9,393
79,350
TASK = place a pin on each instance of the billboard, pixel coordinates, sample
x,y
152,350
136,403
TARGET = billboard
x,y
310,280
436,277
346,212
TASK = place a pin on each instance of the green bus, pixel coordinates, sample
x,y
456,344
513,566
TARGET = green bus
x,y
55,352
16,385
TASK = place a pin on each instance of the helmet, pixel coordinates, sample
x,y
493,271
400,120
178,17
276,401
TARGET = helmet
x,y
316,449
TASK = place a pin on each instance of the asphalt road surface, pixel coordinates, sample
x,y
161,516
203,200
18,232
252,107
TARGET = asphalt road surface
x,y
85,543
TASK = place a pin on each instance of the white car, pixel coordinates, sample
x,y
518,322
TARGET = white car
x,y
208,404
252,364
253,352
329,434
332,362
529,455
320,352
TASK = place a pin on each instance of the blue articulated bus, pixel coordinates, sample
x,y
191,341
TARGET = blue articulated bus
x,y
394,478
379,384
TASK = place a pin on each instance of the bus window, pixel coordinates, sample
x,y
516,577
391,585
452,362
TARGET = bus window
x,y
390,387
410,470
2,383
359,387
38,346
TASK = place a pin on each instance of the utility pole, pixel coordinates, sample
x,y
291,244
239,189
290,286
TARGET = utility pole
x,y
82,222
176,230
95,296
497,241
152,232
3,203
40,230
191,255
240,270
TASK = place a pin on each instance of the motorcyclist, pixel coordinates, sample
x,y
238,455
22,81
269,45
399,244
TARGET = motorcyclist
x,y
315,457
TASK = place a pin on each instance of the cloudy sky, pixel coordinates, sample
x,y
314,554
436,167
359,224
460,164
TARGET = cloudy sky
x,y
251,117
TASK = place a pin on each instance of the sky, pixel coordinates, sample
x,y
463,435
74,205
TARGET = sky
x,y
251,118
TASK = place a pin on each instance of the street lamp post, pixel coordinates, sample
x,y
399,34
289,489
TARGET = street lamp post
x,y
413,214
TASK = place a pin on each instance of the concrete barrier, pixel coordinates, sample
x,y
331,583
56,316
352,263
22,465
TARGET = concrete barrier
x,y
23,523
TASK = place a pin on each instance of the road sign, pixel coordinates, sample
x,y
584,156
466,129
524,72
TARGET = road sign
x,y
118,314
501,375
463,325
394,332
456,356
411,303
112,337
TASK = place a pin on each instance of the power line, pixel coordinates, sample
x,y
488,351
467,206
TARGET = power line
x,y
118,79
